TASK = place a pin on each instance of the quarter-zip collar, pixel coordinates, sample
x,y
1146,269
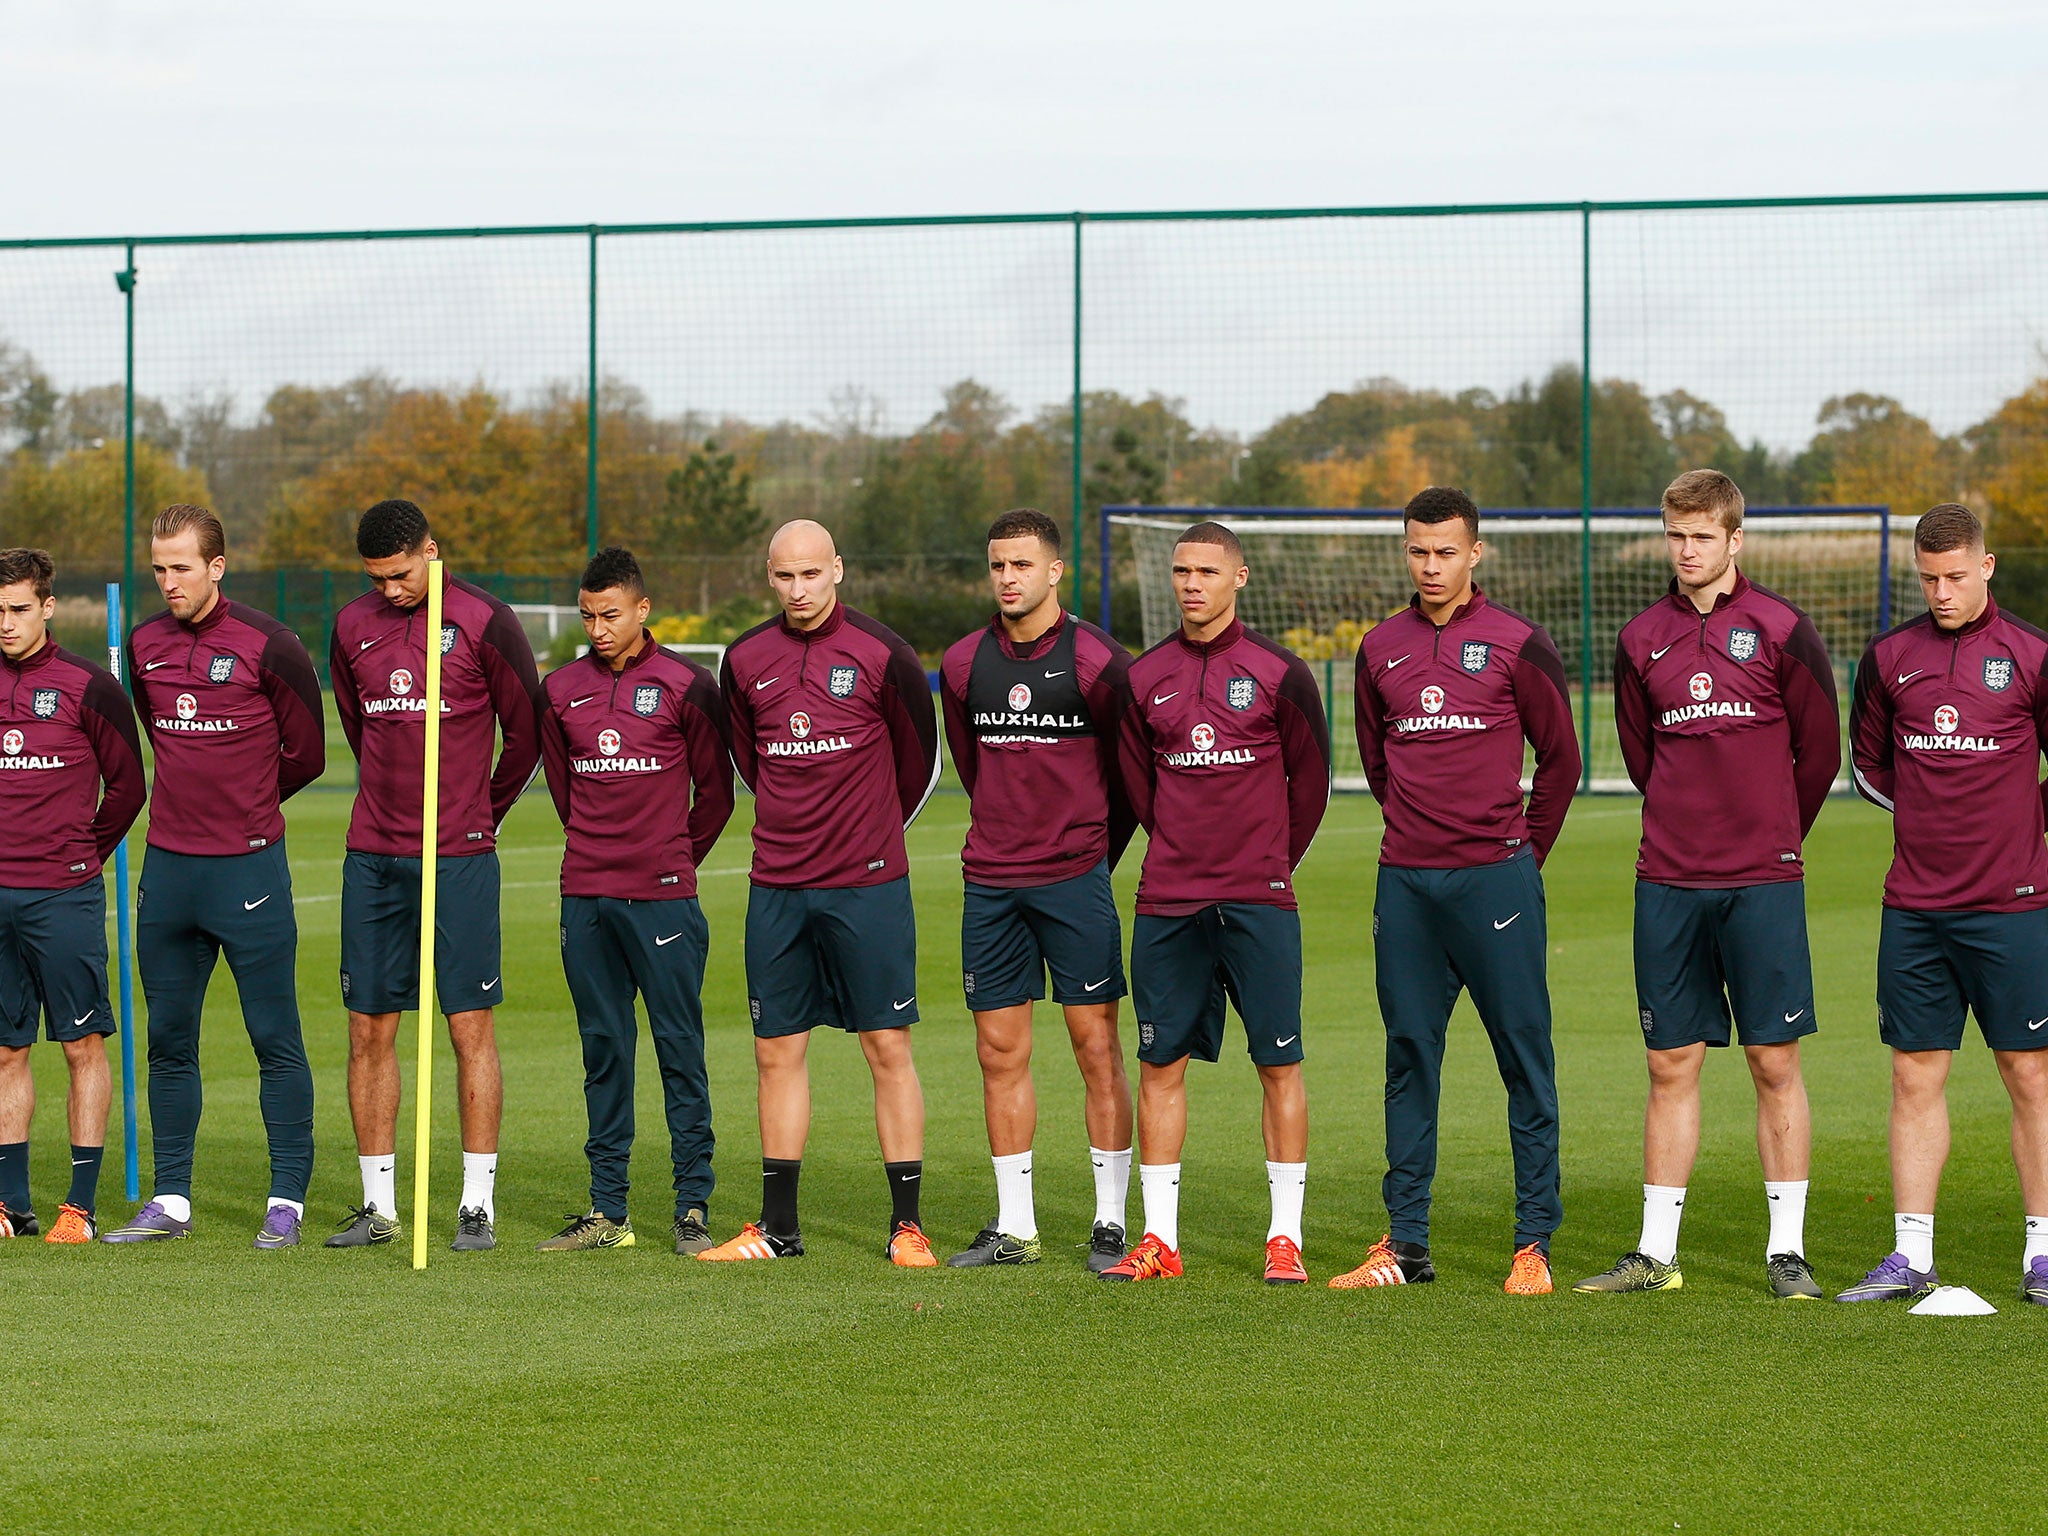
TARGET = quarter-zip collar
x,y
1722,600
1032,649
1976,626
41,657
211,620
1460,613
833,622
1228,636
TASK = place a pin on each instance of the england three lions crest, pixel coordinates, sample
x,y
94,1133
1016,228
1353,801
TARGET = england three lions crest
x,y
646,701
1998,673
841,682
1242,692
1742,644
45,703
448,633
220,669
1475,655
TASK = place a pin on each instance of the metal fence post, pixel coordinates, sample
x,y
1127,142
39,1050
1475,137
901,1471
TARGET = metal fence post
x,y
1074,522
125,281
1586,495
590,452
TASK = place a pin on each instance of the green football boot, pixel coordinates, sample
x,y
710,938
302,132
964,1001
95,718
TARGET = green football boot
x,y
1792,1277
1634,1272
593,1230
993,1247
691,1235
366,1227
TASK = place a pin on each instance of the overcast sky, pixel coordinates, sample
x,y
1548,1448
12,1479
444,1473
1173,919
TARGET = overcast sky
x,y
163,116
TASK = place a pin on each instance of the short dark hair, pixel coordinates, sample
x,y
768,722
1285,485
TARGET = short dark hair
x,y
1213,533
204,526
33,566
1705,493
391,528
1441,503
614,567
1027,523
1948,526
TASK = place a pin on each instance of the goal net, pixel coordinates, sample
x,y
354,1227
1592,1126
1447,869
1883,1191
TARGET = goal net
x,y
1320,580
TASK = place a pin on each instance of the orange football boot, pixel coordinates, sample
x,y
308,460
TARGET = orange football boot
x,y
1529,1275
1150,1260
1384,1266
752,1243
1283,1262
74,1224
909,1248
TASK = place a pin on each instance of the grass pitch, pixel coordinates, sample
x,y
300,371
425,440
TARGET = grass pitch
x,y
201,1385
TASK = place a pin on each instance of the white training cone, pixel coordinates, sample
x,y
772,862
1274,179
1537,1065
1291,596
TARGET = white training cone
x,y
1953,1301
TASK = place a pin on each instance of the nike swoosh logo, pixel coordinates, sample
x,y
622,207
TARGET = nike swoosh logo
x,y
1288,1041
1907,677
1091,986
1165,696
2031,1023
365,645
251,906
1654,655
490,984
1056,674
83,1017
766,681
389,1166
899,1007
579,703
909,1177
153,665
1794,1018
669,940
1397,661
1498,926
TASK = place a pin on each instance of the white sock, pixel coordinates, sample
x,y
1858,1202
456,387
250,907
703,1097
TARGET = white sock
x,y
296,1207
1015,1216
1787,1200
1663,1205
177,1207
479,1182
1914,1237
1159,1183
1288,1182
380,1183
2037,1240
1112,1184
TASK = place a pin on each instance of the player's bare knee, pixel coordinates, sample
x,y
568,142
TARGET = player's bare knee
x,y
887,1050
2026,1078
1676,1070
1775,1068
84,1053
473,1032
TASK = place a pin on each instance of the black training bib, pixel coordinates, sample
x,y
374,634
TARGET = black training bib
x,y
1013,702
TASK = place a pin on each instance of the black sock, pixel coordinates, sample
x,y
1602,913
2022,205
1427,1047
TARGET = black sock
x,y
906,1182
14,1177
85,1177
778,1195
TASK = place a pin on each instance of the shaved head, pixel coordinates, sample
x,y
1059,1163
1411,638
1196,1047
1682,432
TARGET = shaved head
x,y
805,571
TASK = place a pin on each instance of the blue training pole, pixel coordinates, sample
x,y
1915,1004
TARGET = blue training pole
x,y
131,1141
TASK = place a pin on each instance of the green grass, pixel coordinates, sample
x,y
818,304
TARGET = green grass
x,y
205,1386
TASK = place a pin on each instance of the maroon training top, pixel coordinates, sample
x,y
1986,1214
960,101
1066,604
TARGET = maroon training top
x,y
640,772
833,730
1441,715
1947,731
1226,758
65,731
1033,733
232,708
378,662
1730,728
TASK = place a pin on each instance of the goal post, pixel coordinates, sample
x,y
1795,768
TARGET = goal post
x,y
1321,577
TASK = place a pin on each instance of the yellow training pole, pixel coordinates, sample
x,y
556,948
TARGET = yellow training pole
x,y
430,840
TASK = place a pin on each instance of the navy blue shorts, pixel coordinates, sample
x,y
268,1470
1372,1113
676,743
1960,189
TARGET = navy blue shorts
x,y
1706,960
1932,966
53,964
845,958
1010,937
380,933
1182,969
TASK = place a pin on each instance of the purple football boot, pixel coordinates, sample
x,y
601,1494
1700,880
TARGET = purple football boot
x,y
152,1224
280,1228
1893,1280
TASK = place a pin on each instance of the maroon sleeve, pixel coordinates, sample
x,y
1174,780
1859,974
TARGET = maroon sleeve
x,y
2041,721
134,676
1806,683
348,706
913,728
1632,717
516,699
1369,723
710,749
1109,700
293,689
1135,765
1870,731
109,723
554,756
739,722
1544,702
960,740
1305,752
